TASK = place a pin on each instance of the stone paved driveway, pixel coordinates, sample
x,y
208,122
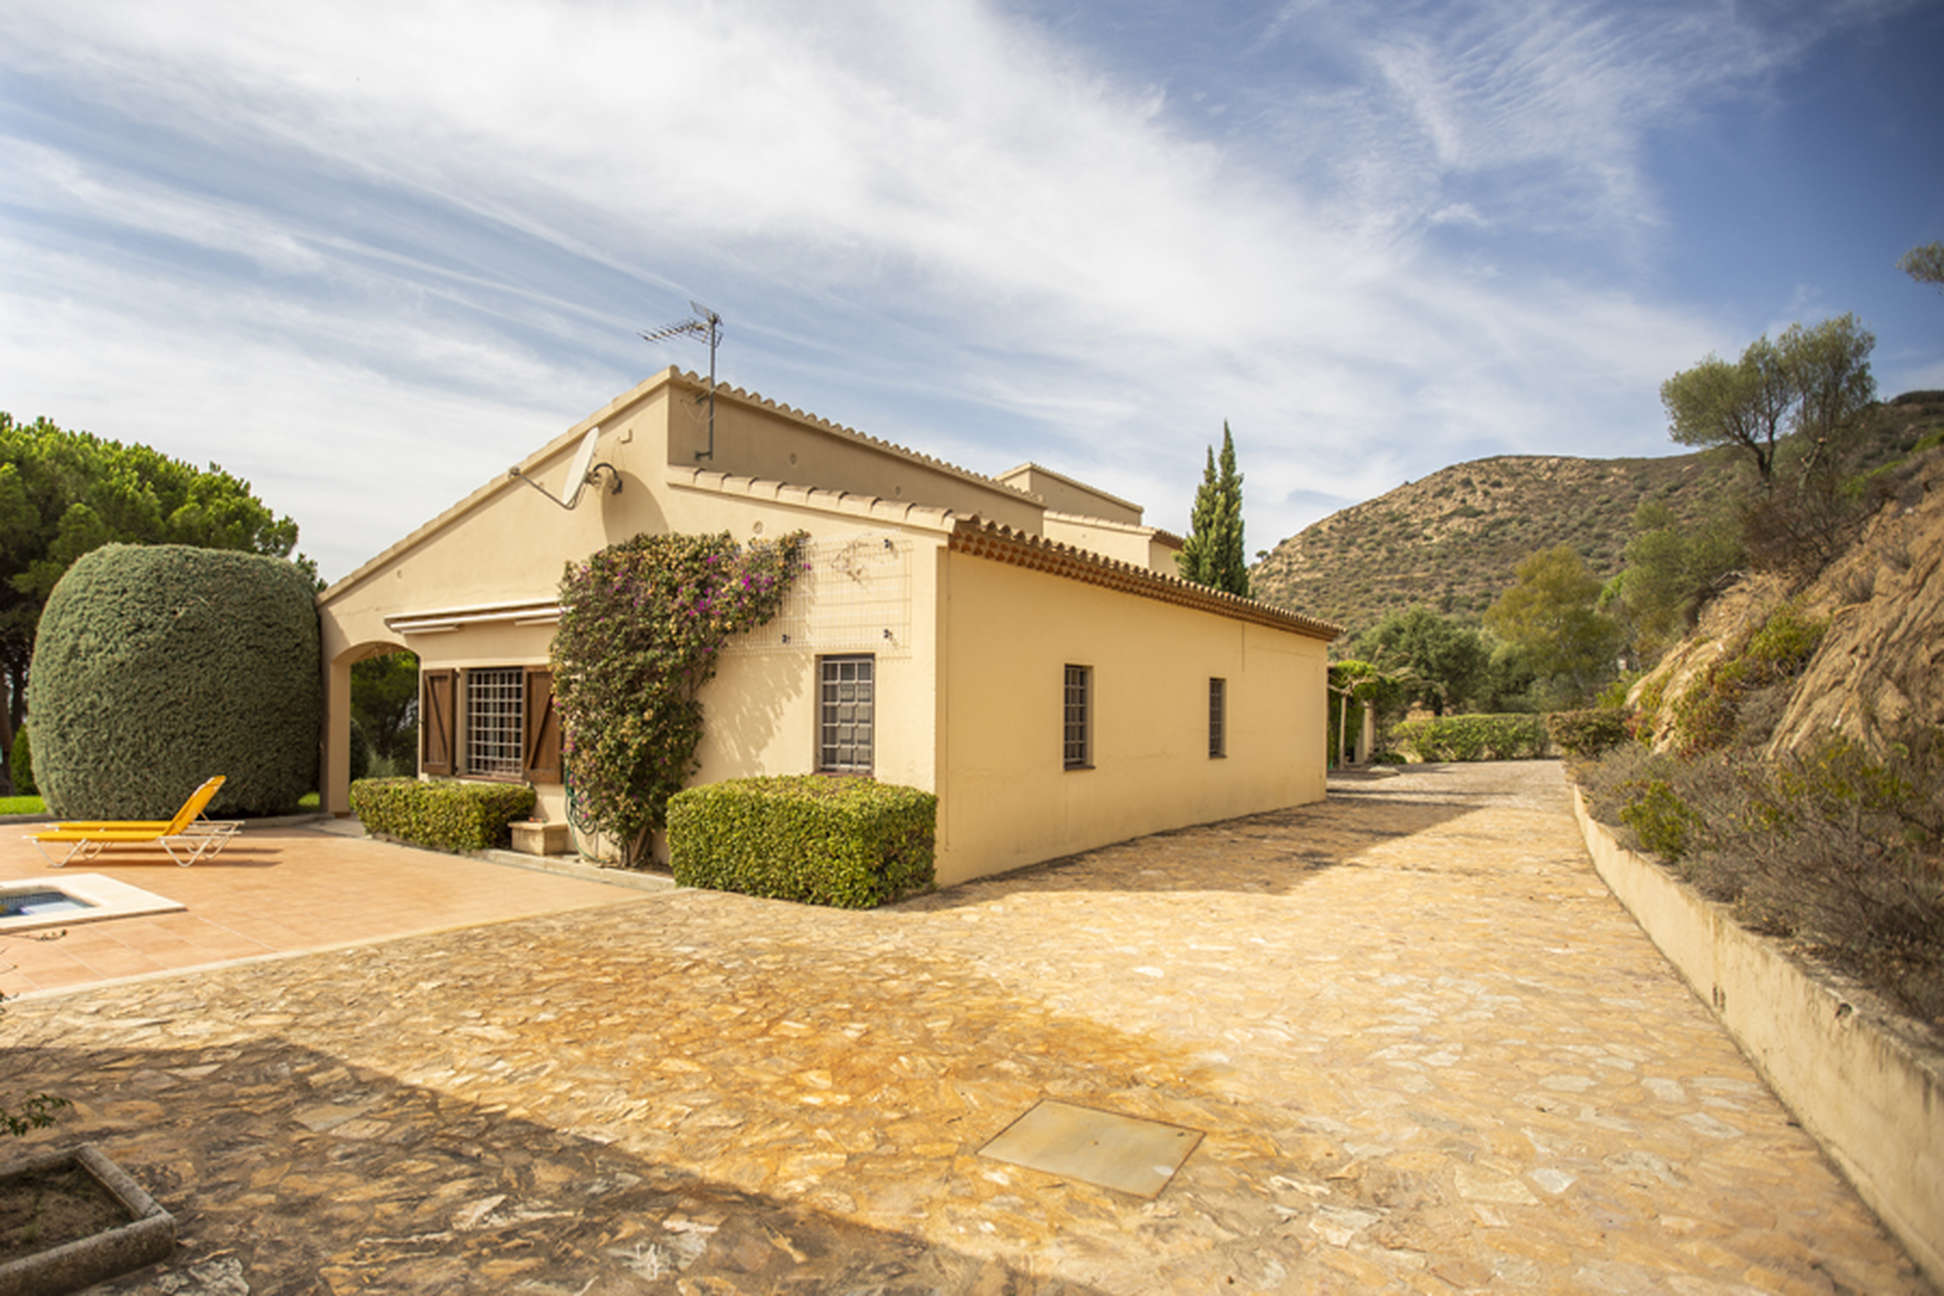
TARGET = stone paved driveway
x,y
1429,1052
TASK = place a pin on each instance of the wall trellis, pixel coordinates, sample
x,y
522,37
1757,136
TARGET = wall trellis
x,y
856,597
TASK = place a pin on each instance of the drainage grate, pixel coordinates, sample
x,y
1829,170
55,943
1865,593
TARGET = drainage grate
x,y
1125,1153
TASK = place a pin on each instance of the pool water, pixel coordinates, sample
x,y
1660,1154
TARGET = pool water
x,y
42,900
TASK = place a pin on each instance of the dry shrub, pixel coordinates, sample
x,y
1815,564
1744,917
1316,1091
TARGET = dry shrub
x,y
1835,848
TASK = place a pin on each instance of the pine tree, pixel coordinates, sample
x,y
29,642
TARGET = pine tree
x,y
1213,554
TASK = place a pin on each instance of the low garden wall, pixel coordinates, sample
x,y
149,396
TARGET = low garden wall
x,y
1872,1099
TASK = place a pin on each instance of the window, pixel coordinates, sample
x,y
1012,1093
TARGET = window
x,y
846,708
493,720
511,729
1217,718
1079,717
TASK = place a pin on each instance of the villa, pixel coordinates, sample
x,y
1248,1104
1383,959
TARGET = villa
x,y
1018,644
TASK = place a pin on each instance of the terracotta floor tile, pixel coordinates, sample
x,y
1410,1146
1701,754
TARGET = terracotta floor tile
x,y
282,890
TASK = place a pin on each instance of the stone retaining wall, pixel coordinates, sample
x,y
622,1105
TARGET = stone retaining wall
x,y
1873,1100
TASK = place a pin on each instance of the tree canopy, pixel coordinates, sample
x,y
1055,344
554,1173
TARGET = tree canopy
x,y
384,705
64,493
1813,381
1549,614
1214,554
1673,568
1925,264
1443,662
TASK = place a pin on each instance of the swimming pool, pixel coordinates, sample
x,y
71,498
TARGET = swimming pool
x,y
39,900
30,903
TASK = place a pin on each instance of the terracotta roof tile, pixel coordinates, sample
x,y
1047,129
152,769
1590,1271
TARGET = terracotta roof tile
x,y
986,539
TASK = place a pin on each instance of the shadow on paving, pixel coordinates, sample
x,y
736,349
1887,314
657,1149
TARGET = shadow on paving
x,y
239,854
1284,848
288,1171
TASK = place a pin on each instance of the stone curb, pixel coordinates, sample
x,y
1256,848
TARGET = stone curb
x,y
1873,1099
148,1236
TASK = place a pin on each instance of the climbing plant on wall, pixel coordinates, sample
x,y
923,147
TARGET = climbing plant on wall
x,y
642,627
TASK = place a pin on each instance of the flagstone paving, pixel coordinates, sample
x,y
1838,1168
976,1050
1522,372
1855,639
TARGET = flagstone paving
x,y
1428,1051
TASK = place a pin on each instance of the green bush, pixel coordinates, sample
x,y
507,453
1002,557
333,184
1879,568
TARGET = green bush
x,y
1660,819
849,842
444,814
1472,737
1588,732
1785,643
1705,717
157,666
20,764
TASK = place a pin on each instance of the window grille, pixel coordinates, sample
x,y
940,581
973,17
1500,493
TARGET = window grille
x,y
493,721
1079,717
1217,718
846,712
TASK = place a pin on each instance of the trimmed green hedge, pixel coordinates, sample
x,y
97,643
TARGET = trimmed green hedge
x,y
20,765
818,839
156,666
1514,736
443,814
1588,732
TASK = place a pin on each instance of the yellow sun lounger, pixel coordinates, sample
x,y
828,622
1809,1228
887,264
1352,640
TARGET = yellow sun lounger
x,y
185,833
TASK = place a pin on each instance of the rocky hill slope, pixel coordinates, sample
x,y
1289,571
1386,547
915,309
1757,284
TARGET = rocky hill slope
x,y
1877,674
1450,541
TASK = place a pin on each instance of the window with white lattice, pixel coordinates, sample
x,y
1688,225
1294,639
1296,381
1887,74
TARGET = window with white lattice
x,y
846,713
494,721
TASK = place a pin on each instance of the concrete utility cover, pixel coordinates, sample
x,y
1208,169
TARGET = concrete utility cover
x,y
1120,1152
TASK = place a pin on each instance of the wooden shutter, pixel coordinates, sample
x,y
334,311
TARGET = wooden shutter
x,y
436,688
541,747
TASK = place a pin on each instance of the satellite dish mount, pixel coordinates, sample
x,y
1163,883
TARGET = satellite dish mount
x,y
581,473
706,325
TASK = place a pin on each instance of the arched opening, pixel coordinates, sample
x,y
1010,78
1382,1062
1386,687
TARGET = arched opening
x,y
342,689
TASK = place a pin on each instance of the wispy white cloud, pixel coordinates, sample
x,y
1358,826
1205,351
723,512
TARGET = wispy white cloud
x,y
941,223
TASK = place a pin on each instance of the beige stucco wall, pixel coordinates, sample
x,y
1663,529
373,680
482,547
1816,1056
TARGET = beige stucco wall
x,y
753,439
1131,544
1006,798
509,544
1065,495
968,650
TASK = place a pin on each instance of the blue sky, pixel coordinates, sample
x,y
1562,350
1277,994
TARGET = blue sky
x,y
367,255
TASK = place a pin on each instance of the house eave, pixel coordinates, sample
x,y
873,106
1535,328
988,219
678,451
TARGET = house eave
x,y
982,538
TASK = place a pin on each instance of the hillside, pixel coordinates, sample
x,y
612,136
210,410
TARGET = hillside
x,y
1450,541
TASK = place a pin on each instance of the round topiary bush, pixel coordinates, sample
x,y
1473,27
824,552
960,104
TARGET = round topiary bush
x,y
157,666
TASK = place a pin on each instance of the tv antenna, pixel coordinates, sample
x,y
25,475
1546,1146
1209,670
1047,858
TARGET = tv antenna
x,y
704,324
580,473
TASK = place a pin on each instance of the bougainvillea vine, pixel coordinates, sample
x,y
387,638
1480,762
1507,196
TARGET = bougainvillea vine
x,y
642,627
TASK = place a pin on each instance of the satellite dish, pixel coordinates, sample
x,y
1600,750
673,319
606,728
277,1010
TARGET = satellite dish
x,y
580,472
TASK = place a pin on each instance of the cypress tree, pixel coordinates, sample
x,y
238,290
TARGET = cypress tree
x,y
1230,562
1213,554
1196,559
